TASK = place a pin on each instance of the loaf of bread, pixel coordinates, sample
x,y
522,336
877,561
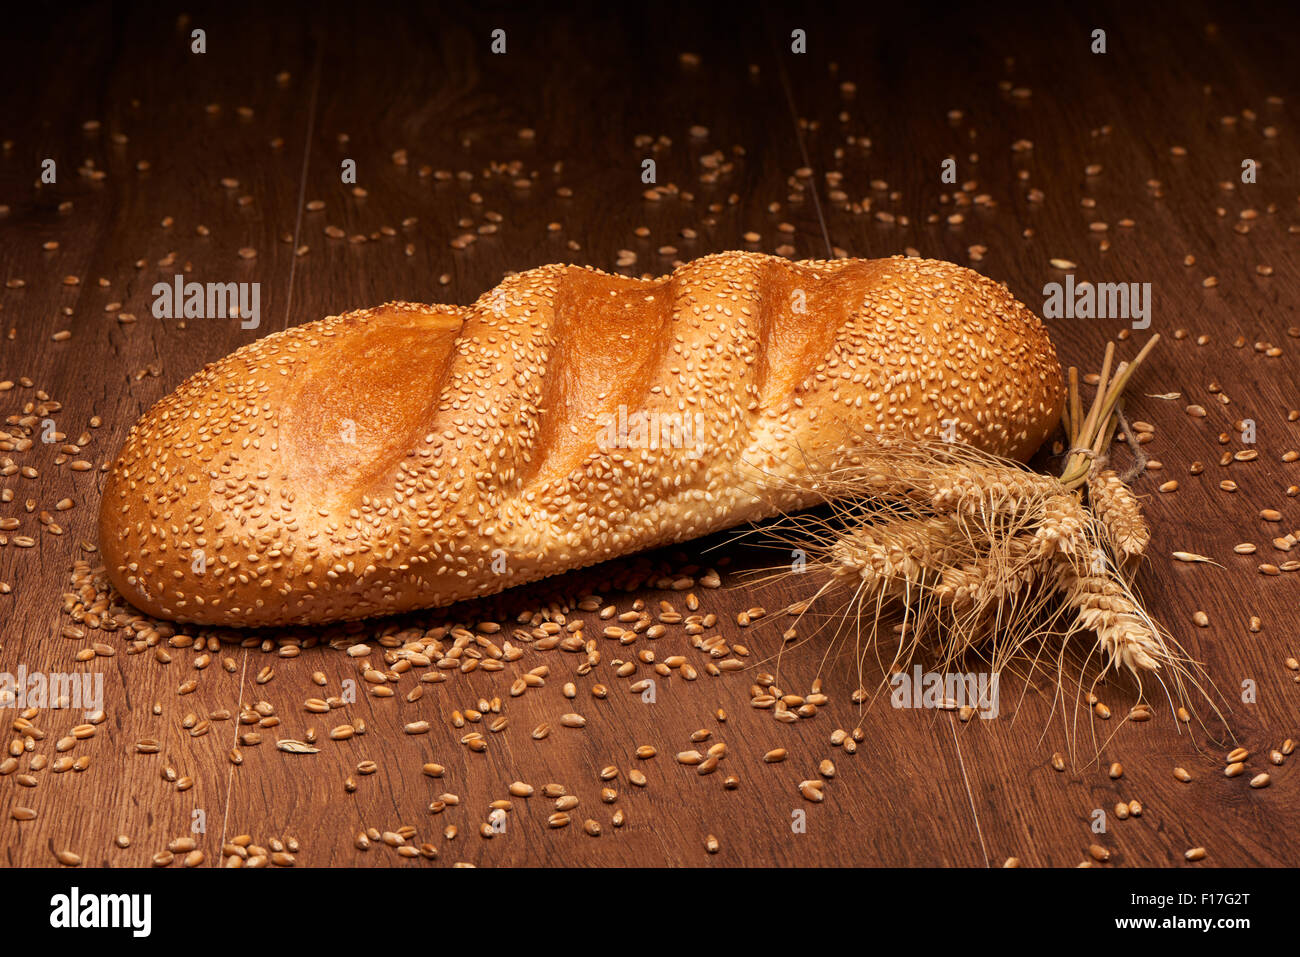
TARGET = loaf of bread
x,y
408,456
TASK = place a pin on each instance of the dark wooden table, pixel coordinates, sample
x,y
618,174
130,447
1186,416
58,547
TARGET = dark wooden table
x,y
171,161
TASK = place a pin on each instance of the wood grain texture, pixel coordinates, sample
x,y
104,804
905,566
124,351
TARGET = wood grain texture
x,y
364,82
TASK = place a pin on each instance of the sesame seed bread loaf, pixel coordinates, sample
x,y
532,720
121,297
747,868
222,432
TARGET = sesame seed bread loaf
x,y
408,456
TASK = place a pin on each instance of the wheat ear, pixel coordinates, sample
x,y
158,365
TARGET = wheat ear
x,y
1117,507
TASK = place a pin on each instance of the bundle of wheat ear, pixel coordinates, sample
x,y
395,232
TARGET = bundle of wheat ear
x,y
969,553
